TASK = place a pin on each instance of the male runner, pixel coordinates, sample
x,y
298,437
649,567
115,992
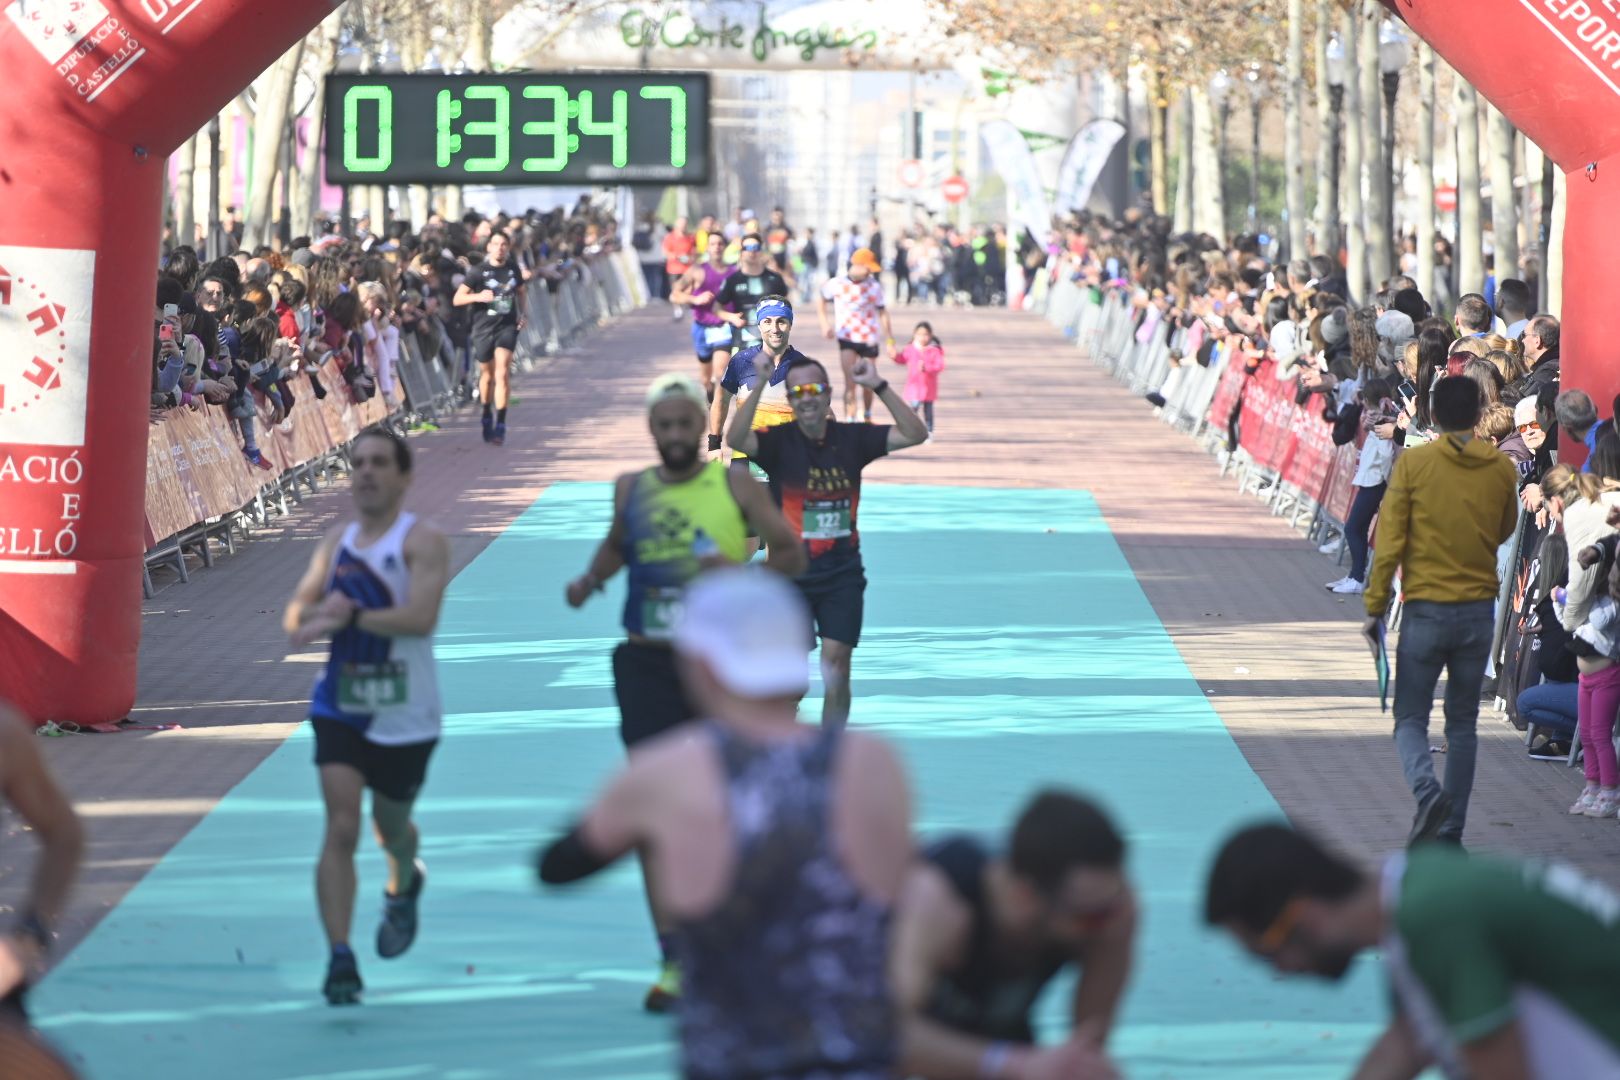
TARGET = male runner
x,y
699,287
744,289
495,289
669,521
814,465
1471,996
780,913
778,238
980,934
859,317
775,326
27,787
679,249
374,586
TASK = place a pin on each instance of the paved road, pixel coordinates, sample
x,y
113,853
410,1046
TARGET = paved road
x,y
1239,592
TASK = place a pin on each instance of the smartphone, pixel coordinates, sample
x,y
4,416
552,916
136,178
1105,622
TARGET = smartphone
x,y
165,331
171,311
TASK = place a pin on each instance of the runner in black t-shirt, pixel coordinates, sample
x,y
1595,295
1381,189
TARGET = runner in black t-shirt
x,y
814,465
743,290
495,291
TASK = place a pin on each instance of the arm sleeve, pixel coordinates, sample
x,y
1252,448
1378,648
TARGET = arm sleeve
x,y
1393,514
568,859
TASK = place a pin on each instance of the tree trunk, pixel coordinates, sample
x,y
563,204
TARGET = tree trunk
x,y
480,35
1554,270
1209,204
1293,136
1470,254
1374,164
269,124
1354,120
1327,196
185,195
1182,220
1425,194
324,45
453,207
1159,138
1504,198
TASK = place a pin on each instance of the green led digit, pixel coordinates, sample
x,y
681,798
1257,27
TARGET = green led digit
x,y
617,127
677,119
449,143
353,160
499,128
555,129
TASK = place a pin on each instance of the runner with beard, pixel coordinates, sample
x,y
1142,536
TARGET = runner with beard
x,y
670,521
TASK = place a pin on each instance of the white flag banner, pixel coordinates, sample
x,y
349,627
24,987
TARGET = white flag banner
x,y
1083,162
1027,204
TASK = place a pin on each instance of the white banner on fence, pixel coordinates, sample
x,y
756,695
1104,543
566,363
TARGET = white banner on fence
x,y
1027,205
1083,162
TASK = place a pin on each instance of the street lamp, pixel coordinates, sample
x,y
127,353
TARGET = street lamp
x,y
1220,90
1257,93
1393,51
1335,81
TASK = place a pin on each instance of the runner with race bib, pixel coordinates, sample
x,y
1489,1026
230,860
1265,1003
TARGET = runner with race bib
x,y
742,292
699,288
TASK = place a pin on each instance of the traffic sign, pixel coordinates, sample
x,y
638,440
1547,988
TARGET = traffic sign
x,y
955,189
911,173
1445,198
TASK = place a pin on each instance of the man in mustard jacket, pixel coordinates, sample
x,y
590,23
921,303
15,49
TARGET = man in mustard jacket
x,y
1450,505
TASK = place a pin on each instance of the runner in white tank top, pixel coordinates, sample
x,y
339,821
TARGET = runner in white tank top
x,y
374,587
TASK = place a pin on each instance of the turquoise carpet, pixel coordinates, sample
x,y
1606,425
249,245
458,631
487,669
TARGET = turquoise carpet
x,y
1007,646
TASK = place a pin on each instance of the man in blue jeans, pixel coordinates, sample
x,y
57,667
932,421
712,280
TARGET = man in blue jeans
x,y
1449,506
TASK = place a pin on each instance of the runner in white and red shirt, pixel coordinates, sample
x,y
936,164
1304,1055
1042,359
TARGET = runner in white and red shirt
x,y
860,321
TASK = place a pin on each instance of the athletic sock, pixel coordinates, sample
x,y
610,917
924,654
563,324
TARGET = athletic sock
x,y
500,416
489,410
342,950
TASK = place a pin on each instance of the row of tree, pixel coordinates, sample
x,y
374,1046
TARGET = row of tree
x,y
1188,53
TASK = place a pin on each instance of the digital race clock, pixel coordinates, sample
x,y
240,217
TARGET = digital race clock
x,y
517,128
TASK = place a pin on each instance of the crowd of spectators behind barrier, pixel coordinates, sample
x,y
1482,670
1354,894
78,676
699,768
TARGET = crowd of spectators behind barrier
x,y
1369,367
230,330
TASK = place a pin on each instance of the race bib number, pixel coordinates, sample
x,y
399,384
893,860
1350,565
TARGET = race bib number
x,y
369,687
659,612
826,519
717,335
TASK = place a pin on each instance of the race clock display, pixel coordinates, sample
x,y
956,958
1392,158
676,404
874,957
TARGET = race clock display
x,y
518,128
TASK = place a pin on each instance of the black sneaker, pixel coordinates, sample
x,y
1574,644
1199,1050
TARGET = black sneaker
x,y
398,927
499,437
343,984
1550,750
1430,817
489,427
1155,399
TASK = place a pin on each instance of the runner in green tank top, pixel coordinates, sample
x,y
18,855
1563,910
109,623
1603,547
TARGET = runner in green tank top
x,y
1482,990
671,521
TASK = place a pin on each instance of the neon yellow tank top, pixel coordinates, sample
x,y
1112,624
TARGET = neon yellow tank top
x,y
663,547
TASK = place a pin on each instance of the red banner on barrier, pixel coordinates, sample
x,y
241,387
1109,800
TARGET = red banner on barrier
x,y
1227,392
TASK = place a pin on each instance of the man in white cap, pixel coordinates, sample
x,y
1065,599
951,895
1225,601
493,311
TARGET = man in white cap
x,y
670,521
779,849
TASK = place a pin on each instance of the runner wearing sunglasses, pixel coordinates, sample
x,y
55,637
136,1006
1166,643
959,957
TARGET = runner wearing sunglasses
x,y
741,293
814,465
980,934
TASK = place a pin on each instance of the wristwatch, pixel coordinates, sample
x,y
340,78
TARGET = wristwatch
x,y
714,442
880,387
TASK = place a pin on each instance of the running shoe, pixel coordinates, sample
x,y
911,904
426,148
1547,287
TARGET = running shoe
x,y
1588,797
499,438
1430,817
1333,586
398,927
258,458
1349,587
1332,546
1604,804
343,985
664,994
489,428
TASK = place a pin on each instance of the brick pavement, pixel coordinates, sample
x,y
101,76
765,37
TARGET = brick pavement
x,y
1239,592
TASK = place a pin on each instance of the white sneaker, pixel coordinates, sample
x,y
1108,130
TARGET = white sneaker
x,y
1349,587
1333,546
1604,804
1332,585
1587,799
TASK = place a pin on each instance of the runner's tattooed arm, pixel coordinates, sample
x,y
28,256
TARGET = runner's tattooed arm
x,y
609,557
784,553
909,428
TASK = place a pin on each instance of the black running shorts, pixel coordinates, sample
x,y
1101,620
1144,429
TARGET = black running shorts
x,y
396,772
838,604
651,698
485,342
869,351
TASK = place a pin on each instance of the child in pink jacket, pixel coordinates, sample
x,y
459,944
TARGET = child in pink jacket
x,y
924,359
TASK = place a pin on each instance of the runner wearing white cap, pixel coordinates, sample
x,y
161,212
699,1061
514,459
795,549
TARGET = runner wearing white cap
x,y
670,521
778,849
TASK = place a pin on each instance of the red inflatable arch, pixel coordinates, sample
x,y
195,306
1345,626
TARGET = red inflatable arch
x,y
1553,68
98,94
